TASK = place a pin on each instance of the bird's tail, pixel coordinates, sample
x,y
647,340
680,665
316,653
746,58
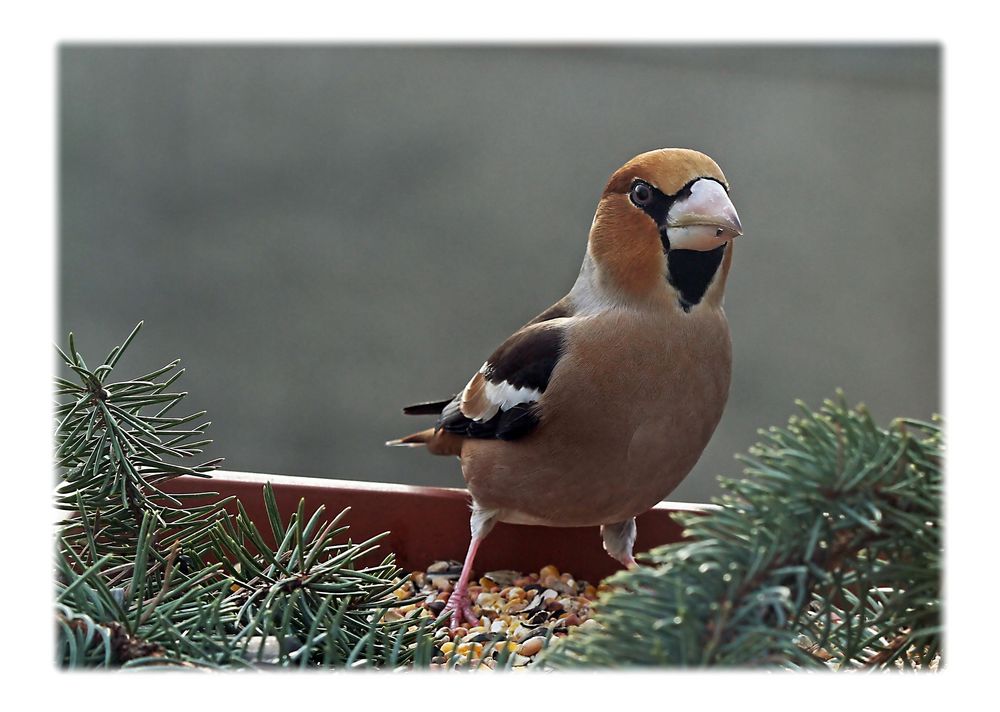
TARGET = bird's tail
x,y
428,407
437,442
414,440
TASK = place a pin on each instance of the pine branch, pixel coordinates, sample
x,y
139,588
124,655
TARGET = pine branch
x,y
827,553
145,579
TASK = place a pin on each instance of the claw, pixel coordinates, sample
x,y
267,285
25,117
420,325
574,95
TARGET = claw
x,y
461,609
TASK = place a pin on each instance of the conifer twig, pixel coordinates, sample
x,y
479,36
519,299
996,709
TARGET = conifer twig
x,y
127,598
830,543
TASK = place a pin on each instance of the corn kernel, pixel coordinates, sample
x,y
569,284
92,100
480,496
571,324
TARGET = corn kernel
x,y
466,648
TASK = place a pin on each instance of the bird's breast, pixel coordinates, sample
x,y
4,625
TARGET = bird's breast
x,y
629,409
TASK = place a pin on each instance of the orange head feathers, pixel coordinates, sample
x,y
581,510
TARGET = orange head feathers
x,y
665,213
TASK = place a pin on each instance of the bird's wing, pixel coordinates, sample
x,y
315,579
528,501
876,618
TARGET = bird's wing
x,y
503,399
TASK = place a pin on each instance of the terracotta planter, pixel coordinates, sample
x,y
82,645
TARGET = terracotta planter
x,y
427,524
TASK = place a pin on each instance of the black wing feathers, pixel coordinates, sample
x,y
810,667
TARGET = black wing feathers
x,y
428,408
525,360
511,424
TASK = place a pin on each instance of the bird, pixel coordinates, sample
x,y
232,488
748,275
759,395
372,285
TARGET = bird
x,y
597,408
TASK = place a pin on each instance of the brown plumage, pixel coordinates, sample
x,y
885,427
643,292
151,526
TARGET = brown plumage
x,y
597,408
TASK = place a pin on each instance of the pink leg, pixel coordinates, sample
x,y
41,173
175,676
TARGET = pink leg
x,y
458,603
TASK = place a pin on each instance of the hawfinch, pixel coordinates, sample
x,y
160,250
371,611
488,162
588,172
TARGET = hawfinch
x,y
597,408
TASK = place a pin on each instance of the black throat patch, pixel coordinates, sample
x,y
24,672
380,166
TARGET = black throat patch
x,y
688,271
691,271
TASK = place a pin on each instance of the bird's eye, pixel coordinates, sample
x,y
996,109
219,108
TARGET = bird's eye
x,y
641,194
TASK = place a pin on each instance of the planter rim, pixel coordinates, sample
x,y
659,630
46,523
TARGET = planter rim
x,y
425,524
320,482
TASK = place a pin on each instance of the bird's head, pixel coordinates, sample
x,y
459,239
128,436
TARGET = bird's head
x,y
662,226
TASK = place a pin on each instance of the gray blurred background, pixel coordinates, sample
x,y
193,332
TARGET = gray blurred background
x,y
327,233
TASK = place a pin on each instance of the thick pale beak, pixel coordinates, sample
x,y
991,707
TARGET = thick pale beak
x,y
703,220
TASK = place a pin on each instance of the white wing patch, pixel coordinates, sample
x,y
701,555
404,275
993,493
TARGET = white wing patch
x,y
482,399
507,396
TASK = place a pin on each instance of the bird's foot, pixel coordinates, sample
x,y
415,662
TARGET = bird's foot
x,y
630,562
461,609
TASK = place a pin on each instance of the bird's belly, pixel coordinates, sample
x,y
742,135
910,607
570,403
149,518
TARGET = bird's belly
x,y
598,482
614,453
